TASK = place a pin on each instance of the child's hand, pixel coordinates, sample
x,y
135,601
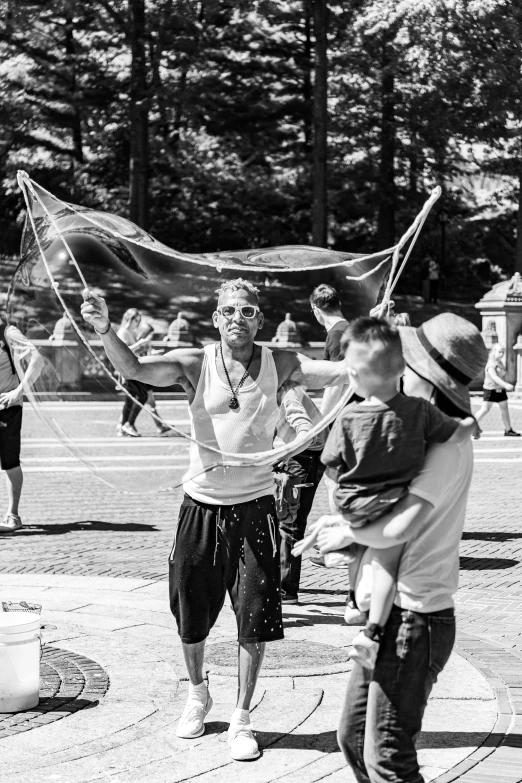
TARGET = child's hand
x,y
466,428
330,539
307,543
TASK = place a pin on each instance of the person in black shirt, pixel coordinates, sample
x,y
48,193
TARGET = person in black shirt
x,y
327,309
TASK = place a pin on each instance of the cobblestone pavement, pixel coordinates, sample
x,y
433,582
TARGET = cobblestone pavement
x,y
77,526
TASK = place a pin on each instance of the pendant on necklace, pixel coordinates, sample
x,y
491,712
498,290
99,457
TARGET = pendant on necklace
x,y
233,403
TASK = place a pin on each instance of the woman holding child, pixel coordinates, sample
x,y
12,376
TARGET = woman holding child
x,y
384,706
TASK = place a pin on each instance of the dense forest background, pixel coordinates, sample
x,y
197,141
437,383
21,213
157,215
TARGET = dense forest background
x,y
230,124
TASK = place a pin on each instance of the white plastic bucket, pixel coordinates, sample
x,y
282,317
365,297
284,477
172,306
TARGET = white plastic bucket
x,y
19,661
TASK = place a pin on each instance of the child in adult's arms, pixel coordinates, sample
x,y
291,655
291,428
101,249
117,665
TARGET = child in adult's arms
x,y
374,450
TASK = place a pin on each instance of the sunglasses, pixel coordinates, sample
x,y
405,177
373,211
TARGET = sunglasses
x,y
247,311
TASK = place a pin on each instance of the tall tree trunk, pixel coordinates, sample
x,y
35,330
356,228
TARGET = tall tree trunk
x,y
413,167
319,204
518,251
307,76
386,217
76,122
139,118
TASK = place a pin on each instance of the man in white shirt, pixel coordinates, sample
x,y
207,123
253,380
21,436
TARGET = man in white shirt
x,y
226,539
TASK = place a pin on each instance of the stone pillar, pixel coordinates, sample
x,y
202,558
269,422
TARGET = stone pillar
x,y
517,348
501,311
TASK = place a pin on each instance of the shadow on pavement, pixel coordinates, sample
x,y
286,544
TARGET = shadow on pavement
x,y
312,619
486,563
57,529
215,727
325,742
491,536
464,739
322,590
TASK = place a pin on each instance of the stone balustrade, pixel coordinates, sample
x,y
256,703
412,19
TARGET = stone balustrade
x,y
71,367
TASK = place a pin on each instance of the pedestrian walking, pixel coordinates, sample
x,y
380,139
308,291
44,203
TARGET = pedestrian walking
x,y
433,278
496,388
227,537
129,334
14,345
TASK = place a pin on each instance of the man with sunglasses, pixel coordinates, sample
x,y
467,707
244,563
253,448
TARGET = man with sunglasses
x,y
227,537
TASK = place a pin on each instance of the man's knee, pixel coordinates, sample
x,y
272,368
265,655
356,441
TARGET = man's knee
x,y
14,473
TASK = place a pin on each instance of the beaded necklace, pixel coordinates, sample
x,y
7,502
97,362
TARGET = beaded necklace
x,y
234,402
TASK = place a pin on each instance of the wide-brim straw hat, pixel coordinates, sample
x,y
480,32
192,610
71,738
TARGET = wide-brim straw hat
x,y
447,351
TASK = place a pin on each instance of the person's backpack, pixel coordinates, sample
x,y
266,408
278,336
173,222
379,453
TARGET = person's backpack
x,y
6,347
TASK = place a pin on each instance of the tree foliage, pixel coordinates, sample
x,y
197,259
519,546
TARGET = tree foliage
x,y
200,120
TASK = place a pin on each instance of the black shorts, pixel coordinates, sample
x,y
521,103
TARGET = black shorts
x,y
220,548
493,395
10,437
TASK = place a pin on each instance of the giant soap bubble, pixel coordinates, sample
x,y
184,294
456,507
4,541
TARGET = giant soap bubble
x,y
66,248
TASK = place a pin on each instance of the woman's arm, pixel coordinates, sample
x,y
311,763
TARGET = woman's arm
x,y
498,380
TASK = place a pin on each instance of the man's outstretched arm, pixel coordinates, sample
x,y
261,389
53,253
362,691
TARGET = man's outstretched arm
x,y
155,370
298,370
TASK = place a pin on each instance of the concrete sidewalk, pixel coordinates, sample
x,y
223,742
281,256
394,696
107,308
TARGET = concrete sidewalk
x,y
124,625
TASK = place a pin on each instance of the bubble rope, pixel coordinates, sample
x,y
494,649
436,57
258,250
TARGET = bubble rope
x,y
414,230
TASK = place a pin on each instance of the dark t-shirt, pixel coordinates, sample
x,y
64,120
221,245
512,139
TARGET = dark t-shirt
x,y
332,345
374,447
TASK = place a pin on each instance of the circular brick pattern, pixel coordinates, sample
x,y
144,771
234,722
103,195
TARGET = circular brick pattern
x,y
68,683
284,658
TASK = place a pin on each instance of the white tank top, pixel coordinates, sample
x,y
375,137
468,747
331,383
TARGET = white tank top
x,y
246,430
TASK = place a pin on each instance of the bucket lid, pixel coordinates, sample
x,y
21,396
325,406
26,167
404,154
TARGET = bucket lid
x,y
19,622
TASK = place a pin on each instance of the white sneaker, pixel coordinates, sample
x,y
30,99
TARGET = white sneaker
x,y
364,651
191,724
10,524
243,745
352,615
130,429
336,560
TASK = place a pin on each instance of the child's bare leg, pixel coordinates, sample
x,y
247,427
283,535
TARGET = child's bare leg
x,y
385,564
352,614
330,485
356,551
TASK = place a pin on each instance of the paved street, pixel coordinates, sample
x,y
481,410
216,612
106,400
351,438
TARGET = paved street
x,y
95,558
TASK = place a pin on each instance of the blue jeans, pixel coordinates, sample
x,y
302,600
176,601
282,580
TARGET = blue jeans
x,y
383,711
